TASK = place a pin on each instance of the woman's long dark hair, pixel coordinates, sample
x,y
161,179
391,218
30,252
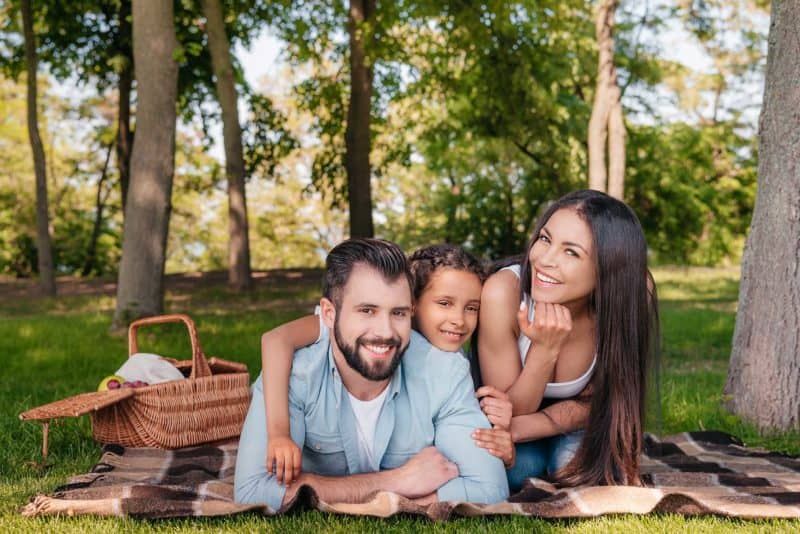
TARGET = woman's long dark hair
x,y
625,310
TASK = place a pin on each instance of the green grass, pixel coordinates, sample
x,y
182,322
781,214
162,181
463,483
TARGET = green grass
x,y
52,348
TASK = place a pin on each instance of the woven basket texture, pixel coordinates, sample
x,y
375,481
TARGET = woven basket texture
x,y
209,405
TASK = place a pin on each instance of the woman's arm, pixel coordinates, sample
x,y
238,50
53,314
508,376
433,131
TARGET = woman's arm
x,y
498,350
277,350
560,417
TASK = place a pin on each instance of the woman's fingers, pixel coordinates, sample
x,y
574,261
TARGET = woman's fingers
x,y
485,402
497,442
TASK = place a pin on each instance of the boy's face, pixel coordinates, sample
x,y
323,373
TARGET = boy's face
x,y
447,310
372,325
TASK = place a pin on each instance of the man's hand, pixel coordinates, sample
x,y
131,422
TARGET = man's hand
x,y
550,327
423,474
496,405
498,443
283,459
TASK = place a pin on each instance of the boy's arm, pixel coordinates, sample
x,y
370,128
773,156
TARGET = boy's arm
x,y
482,477
277,351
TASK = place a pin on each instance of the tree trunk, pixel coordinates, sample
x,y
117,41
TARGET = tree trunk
x,y
124,134
357,132
140,291
606,122
100,204
239,276
616,148
44,249
764,372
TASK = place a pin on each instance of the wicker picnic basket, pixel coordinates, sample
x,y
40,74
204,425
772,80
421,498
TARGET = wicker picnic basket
x,y
210,404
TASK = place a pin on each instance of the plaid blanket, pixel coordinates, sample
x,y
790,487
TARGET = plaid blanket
x,y
692,473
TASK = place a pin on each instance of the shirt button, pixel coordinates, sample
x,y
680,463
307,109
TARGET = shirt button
x,y
317,446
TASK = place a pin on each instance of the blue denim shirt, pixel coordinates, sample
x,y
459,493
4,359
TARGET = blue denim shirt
x,y
431,401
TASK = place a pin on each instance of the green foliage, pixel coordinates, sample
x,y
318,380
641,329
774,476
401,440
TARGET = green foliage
x,y
693,189
479,118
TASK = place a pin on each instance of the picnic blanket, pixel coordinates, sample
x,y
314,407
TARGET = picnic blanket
x,y
694,473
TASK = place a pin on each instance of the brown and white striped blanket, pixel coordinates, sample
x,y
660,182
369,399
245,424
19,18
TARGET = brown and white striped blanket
x,y
691,473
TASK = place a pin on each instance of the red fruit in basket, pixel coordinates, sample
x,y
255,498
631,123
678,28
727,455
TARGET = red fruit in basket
x,y
127,385
139,383
110,382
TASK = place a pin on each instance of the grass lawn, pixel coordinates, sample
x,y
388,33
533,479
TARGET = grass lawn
x,y
53,348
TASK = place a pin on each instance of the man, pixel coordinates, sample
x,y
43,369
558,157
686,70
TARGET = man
x,y
377,407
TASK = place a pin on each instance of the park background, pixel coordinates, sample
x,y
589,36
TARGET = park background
x,y
419,122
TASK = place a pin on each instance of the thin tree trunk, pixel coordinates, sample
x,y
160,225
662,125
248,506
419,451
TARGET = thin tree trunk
x,y
99,205
44,250
606,124
124,134
616,148
764,373
140,291
357,132
239,276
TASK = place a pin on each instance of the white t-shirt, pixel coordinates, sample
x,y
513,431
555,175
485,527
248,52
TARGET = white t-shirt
x,y
366,414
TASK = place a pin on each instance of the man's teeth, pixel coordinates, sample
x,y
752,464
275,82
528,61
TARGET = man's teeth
x,y
547,279
378,349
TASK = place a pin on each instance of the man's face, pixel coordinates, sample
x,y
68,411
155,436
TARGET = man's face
x,y
372,326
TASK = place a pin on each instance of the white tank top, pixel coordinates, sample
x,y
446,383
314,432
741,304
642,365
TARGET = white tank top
x,y
553,390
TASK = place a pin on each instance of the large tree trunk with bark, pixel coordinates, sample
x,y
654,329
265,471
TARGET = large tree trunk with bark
x,y
239,276
606,125
44,249
124,133
764,373
140,291
357,133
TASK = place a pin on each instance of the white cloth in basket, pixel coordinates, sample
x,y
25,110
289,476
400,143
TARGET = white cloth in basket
x,y
149,368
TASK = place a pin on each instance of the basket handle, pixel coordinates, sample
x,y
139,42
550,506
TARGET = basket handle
x,y
200,366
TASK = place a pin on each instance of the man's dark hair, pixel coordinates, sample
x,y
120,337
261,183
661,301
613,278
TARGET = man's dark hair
x,y
384,256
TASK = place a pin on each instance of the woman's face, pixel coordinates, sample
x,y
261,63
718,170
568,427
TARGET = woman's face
x,y
563,260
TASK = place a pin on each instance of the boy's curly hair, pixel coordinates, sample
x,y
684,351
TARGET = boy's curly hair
x,y
426,260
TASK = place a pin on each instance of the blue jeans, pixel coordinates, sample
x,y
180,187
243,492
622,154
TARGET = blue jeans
x,y
542,457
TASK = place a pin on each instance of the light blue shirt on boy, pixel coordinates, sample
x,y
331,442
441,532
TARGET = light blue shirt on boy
x,y
431,401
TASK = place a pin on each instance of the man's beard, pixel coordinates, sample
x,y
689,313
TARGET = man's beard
x,y
362,366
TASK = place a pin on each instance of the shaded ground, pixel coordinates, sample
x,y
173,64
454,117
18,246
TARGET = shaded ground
x,y
291,291
178,283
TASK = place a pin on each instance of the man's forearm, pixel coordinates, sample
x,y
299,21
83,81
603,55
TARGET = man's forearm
x,y
356,488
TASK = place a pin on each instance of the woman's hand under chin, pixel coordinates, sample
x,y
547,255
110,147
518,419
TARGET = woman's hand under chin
x,y
550,328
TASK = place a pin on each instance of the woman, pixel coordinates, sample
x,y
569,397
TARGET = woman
x,y
576,319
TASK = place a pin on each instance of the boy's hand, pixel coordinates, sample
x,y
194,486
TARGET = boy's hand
x,y
283,459
498,443
496,405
